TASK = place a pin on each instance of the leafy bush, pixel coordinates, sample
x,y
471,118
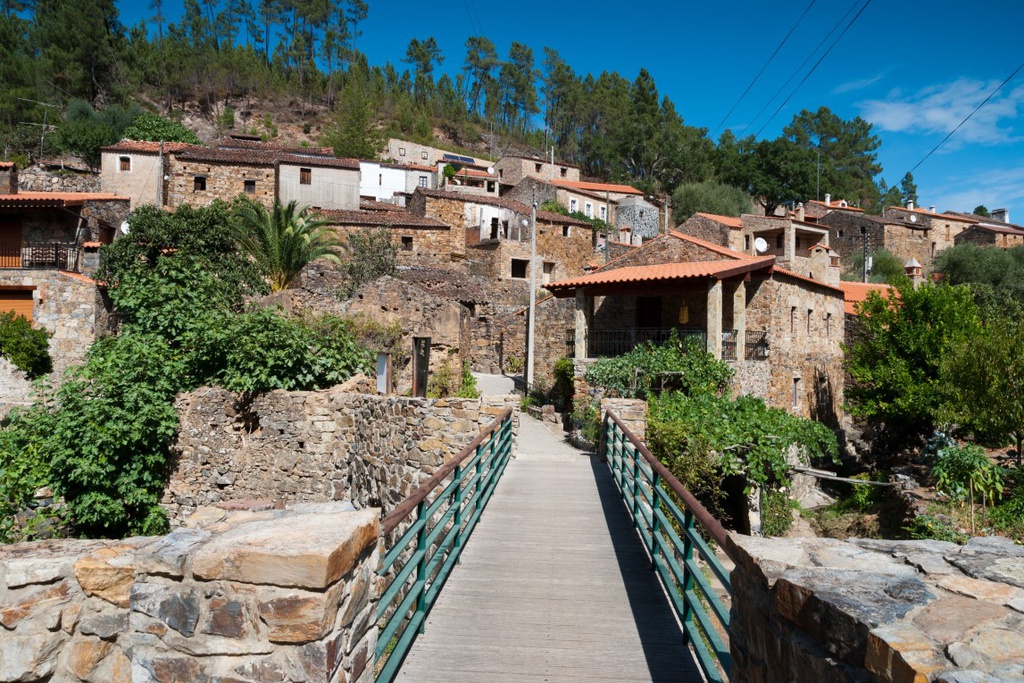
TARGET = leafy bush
x,y
155,128
929,527
564,372
468,388
586,418
370,255
708,197
27,348
1009,515
631,375
776,512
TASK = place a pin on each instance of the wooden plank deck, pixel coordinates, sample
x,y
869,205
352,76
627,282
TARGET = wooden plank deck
x,y
553,585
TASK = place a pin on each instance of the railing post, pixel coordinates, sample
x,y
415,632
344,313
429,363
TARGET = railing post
x,y
636,490
688,528
421,568
457,502
655,523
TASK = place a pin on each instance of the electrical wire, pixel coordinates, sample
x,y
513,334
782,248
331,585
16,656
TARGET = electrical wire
x,y
816,65
817,47
968,117
765,66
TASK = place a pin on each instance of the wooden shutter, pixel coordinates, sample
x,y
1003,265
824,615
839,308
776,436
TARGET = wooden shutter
x,y
18,300
10,244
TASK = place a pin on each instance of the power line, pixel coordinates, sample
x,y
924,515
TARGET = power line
x,y
816,64
804,63
759,73
968,117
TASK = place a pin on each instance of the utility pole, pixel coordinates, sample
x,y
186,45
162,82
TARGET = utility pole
x,y
865,254
817,184
531,325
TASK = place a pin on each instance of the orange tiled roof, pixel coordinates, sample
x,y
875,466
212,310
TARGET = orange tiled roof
x,y
6,164
29,199
730,221
401,219
856,292
813,281
836,204
598,187
146,147
81,278
925,212
664,272
717,248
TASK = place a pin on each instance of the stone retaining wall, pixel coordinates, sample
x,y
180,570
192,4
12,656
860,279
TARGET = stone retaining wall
x,y
242,596
316,446
37,179
812,610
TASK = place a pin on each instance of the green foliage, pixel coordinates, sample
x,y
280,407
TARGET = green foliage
x,y
776,512
352,132
467,386
886,268
514,364
226,119
24,469
85,130
155,128
895,363
633,374
554,206
564,372
28,349
441,383
929,527
709,197
1009,515
1002,270
370,255
283,241
981,210
963,471
586,417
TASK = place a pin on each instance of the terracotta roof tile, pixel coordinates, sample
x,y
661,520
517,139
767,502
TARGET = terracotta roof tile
x,y
146,147
319,161
56,198
925,212
81,278
6,164
537,159
374,205
834,204
813,281
664,272
856,292
234,143
597,187
501,202
717,248
730,221
398,219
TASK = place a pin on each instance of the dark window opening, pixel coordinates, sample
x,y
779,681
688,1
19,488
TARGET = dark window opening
x,y
840,234
126,163
565,172
494,228
406,244
504,229
519,268
305,176
250,186
778,241
565,231
538,167
199,184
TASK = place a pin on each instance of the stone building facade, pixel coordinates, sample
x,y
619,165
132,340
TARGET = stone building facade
x,y
942,227
999,237
639,216
726,231
137,170
512,169
853,233
420,240
200,176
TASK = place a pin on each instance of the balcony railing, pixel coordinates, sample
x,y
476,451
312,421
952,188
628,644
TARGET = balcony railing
x,y
617,341
757,345
37,256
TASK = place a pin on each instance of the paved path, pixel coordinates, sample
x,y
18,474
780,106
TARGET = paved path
x,y
494,385
553,585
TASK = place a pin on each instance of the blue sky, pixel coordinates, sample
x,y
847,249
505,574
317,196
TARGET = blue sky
x,y
913,68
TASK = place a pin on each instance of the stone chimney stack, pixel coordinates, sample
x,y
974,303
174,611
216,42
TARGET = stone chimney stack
x,y
1001,215
828,199
8,178
910,205
800,212
913,270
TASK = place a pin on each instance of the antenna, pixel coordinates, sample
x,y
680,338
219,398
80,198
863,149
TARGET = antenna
x,y
760,245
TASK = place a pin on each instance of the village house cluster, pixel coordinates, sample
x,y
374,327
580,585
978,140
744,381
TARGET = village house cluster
x,y
761,292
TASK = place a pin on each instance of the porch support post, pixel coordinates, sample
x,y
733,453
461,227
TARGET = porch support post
x,y
739,318
581,324
714,326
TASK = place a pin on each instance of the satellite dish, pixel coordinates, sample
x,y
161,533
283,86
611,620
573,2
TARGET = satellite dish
x,y
913,218
525,223
490,170
124,228
760,245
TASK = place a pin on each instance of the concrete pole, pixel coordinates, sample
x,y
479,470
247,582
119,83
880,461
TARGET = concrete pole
x,y
739,319
581,324
531,327
714,323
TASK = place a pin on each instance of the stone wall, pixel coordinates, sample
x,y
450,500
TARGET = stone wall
x,y
942,229
37,179
259,597
450,212
812,610
315,446
986,237
416,245
224,181
712,231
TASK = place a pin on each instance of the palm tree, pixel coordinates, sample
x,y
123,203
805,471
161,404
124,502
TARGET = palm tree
x,y
282,241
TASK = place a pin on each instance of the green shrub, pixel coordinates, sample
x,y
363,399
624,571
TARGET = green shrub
x,y
468,388
586,418
776,512
564,372
27,348
929,527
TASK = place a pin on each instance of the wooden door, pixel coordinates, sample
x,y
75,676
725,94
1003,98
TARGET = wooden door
x,y
10,244
18,300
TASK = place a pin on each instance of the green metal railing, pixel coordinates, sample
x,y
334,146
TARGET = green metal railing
x,y
442,516
665,516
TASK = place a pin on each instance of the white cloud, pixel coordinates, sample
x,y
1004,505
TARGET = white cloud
x,y
938,109
859,84
994,188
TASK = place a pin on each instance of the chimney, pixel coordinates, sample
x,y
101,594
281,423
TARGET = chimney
x,y
8,179
932,208
800,212
910,204
1001,215
828,199
913,270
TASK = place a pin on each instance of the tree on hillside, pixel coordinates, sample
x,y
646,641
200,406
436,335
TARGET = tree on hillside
x,y
776,172
481,61
517,80
717,198
908,189
369,254
78,43
283,240
352,133
895,362
1002,270
423,55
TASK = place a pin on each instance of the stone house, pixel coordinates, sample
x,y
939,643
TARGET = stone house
x,y
942,228
385,182
408,152
138,170
726,231
990,231
49,248
779,329
513,168
492,233
639,217
420,240
468,179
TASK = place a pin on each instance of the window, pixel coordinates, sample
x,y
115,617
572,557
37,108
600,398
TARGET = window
x,y
792,320
380,178
124,164
519,268
574,205
565,231
588,209
840,234
250,186
809,314
549,270
746,243
305,176
401,151
504,229
406,244
779,241
828,325
199,184
604,213
494,228
422,181
796,393
537,167
564,172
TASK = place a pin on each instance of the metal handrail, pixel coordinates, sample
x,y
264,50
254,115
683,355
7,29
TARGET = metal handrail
x,y
669,534
419,562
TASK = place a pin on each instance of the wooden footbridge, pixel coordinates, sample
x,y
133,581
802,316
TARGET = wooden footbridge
x,y
582,568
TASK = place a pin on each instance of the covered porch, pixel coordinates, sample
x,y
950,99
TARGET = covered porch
x,y
707,302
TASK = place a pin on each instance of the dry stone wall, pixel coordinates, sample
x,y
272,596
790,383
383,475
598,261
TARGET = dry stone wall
x,y
37,179
812,610
269,596
315,446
